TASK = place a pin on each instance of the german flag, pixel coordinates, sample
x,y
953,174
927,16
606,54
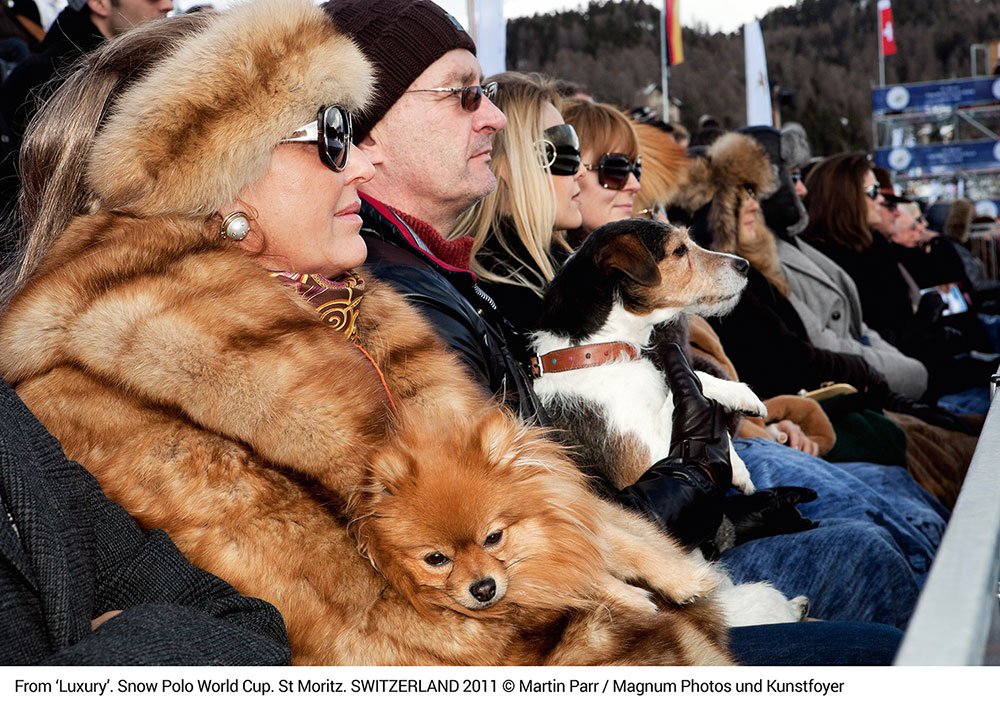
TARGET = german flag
x,y
672,21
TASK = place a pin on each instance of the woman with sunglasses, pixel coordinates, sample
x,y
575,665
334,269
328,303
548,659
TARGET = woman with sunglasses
x,y
844,202
518,230
849,538
610,153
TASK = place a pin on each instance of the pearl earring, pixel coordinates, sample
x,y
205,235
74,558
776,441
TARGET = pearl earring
x,y
235,226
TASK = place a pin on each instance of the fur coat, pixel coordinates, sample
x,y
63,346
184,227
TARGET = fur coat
x,y
212,404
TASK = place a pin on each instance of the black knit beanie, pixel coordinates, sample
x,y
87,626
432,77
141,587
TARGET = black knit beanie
x,y
401,38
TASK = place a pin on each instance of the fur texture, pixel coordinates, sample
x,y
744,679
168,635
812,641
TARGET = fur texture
x,y
248,426
481,517
732,162
235,90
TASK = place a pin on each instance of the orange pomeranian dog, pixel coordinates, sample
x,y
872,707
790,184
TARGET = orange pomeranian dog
x,y
487,518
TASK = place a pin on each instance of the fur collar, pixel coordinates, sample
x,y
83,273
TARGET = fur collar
x,y
189,137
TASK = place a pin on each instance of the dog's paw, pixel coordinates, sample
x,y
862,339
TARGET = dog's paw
x,y
632,598
800,606
685,581
741,475
736,397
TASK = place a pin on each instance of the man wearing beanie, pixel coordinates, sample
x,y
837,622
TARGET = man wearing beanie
x,y
432,161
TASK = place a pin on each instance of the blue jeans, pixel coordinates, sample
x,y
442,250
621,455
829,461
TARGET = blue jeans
x,y
869,556
815,644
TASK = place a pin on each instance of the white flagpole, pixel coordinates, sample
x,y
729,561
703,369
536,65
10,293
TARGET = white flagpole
x,y
664,69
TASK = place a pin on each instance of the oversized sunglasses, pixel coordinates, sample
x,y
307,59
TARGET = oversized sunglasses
x,y
471,96
559,150
872,191
332,132
613,170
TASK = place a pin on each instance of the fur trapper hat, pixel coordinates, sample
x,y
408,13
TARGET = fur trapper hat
x,y
712,192
189,137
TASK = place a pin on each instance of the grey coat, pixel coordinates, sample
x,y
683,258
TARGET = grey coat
x,y
827,301
68,555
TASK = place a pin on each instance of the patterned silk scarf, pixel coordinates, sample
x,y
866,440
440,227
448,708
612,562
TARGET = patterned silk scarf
x,y
335,300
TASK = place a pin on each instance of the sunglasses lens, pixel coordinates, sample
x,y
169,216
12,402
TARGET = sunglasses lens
x,y
562,148
566,162
334,137
613,170
472,97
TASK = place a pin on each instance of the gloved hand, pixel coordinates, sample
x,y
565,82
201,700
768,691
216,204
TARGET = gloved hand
x,y
699,436
930,307
931,414
679,498
768,512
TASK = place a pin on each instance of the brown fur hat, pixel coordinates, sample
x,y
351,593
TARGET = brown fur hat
x,y
734,160
189,137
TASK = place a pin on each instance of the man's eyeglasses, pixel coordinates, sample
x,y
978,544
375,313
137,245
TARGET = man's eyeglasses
x,y
471,96
796,176
872,191
559,150
332,133
613,170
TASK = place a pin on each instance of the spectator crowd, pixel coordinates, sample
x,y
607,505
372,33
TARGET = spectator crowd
x,y
246,251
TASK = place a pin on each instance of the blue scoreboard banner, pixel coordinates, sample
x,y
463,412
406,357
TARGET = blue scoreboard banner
x,y
941,158
922,96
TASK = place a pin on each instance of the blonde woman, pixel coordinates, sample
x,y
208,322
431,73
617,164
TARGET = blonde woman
x,y
518,229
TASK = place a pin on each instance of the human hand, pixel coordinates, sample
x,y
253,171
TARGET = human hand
x,y
768,512
791,434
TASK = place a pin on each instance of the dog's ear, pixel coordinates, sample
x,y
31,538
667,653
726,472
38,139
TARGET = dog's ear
x,y
499,439
388,470
627,254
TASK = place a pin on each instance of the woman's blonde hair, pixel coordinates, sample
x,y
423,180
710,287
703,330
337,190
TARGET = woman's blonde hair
x,y
523,206
57,144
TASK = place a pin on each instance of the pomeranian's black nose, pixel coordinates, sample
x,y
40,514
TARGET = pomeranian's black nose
x,y
483,590
741,265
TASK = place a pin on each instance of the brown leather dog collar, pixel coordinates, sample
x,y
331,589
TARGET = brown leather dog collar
x,y
581,357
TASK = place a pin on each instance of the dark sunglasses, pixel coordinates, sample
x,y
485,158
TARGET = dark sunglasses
x,y
471,96
560,150
332,132
872,191
613,170
796,176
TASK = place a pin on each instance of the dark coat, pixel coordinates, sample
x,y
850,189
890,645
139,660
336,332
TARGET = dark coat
x,y
769,345
459,309
68,555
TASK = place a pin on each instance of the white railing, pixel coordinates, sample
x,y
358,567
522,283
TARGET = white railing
x,y
957,620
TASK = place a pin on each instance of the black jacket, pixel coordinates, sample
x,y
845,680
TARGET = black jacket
x,y
460,311
68,555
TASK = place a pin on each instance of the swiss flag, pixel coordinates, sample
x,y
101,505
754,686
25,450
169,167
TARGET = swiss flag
x,y
887,29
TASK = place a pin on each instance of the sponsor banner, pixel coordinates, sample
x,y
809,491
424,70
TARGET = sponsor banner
x,y
940,158
926,95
